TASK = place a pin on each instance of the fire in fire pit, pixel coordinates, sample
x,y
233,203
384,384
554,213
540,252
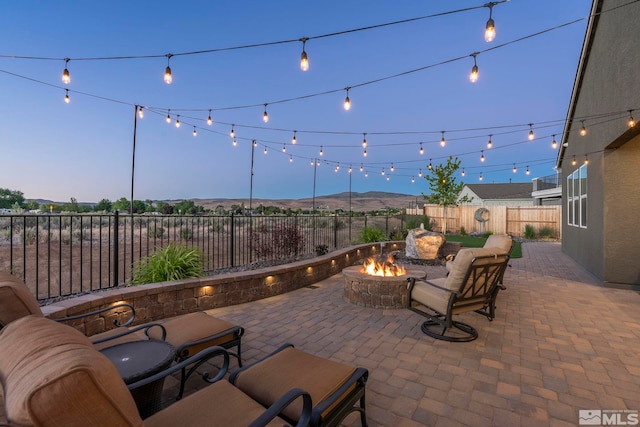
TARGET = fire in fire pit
x,y
386,267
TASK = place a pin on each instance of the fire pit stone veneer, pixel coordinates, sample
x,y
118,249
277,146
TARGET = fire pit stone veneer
x,y
388,292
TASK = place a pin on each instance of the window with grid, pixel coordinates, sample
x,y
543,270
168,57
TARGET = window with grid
x,y
577,197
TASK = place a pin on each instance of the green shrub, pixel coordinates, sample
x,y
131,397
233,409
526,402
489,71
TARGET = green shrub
x,y
371,235
463,232
398,234
529,231
546,233
322,249
280,241
175,262
414,221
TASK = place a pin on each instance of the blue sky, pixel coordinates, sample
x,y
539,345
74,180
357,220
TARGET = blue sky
x,y
83,149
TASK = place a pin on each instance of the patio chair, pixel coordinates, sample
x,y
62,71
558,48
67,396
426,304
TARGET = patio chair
x,y
52,375
501,242
336,389
188,333
472,285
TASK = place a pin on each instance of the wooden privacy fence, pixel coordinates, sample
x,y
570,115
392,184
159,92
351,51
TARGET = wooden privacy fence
x,y
497,219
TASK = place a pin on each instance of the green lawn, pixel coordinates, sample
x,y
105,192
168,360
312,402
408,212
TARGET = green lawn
x,y
478,242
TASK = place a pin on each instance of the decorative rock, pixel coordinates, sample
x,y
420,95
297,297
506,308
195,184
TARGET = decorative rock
x,y
423,244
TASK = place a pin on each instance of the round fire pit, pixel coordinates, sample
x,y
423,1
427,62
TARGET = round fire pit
x,y
377,291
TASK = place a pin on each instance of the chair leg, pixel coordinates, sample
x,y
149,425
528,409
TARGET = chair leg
x,y
468,332
363,415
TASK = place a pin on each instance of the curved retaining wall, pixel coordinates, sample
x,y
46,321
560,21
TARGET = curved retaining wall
x,y
168,299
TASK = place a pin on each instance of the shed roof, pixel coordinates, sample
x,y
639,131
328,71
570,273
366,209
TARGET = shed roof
x,y
516,190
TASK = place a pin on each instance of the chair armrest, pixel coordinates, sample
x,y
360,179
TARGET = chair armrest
x,y
102,310
279,405
412,281
144,327
197,360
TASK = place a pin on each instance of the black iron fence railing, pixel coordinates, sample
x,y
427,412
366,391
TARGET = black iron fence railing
x,y
68,254
546,182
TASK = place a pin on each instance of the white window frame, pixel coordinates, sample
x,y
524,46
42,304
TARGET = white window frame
x,y
577,197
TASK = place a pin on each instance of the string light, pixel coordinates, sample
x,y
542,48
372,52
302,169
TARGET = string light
x,y
514,168
490,29
586,159
294,140
413,180
312,162
462,172
350,169
421,149
255,143
482,155
366,174
140,112
321,152
304,60
430,166
232,133
284,148
490,143
234,141
392,168
382,173
347,101
178,121
66,77
364,140
527,171
583,130
480,177
338,167
290,158
420,173
388,177
265,115
168,78
554,143
265,150
364,153
168,119
631,123
209,119
443,141
195,132
573,162
361,167
473,77
531,134
66,96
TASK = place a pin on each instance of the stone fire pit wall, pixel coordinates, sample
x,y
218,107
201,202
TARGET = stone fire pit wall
x,y
377,291
168,299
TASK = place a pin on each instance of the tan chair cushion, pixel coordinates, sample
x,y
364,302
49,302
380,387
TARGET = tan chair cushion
x,y
502,242
461,265
193,327
52,376
271,378
218,404
134,336
16,300
430,296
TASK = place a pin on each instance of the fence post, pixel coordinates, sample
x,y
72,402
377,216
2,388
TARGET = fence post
x,y
232,248
386,224
116,247
335,231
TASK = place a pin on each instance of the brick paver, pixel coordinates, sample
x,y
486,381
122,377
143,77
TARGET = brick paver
x,y
560,343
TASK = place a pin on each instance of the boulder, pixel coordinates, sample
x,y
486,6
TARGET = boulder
x,y
423,244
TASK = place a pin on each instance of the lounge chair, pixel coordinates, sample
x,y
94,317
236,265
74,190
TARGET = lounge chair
x,y
189,333
472,285
52,375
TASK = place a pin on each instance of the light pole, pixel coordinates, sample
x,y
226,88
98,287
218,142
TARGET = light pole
x,y
133,156
350,170
315,164
253,149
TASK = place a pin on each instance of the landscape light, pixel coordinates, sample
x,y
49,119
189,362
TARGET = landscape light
x,y
168,78
304,60
66,77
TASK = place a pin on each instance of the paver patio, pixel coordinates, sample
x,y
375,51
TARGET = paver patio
x,y
560,343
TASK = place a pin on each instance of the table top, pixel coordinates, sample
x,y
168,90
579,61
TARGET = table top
x,y
136,360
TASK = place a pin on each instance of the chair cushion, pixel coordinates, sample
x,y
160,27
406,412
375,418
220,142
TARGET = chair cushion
x,y
461,265
432,297
194,327
16,300
218,404
134,336
502,242
270,378
52,376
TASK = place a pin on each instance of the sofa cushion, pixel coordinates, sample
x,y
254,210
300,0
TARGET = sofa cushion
x,y
53,376
218,404
269,379
16,300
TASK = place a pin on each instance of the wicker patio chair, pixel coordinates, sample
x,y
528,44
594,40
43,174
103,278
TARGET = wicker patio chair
x,y
188,333
52,375
472,285
336,389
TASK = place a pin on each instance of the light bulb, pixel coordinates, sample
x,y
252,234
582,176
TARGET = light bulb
x,y
531,134
235,142
209,119
361,167
382,173
284,148
232,134
168,119
527,171
294,140
443,141
290,159
321,151
140,112
631,123
413,180
482,156
366,174
473,77
430,166
168,78
265,150
420,173
350,169
195,132
392,168
583,130
364,153
514,168
573,162
347,101
421,149
387,177
304,59
364,140
178,121
586,160
66,77
480,178
265,115
66,97
462,172
490,142
554,144
255,143
490,31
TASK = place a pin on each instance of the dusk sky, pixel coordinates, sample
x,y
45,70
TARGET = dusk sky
x,y
409,83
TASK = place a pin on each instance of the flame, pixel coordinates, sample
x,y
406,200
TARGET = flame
x,y
386,268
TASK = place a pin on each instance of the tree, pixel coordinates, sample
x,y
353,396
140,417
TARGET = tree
x,y
72,206
9,198
121,204
32,205
444,188
103,205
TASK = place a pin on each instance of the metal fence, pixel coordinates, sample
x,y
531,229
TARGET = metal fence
x,y
60,255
